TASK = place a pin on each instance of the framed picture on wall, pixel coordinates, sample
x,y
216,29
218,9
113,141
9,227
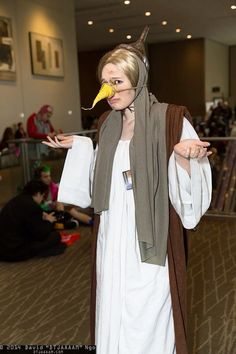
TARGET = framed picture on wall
x,y
46,55
7,58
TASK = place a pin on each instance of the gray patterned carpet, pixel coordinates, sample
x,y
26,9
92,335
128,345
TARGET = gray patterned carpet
x,y
47,301
212,288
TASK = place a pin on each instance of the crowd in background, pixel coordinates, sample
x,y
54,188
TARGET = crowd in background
x,y
38,126
219,121
32,222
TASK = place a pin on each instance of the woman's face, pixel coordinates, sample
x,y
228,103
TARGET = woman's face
x,y
38,197
114,76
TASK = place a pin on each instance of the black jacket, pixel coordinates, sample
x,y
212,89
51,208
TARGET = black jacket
x,y
21,224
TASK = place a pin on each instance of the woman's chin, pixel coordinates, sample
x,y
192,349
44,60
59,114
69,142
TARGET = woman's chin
x,y
117,107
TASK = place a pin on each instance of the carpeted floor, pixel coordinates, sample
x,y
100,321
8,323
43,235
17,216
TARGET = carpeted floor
x,y
212,287
47,301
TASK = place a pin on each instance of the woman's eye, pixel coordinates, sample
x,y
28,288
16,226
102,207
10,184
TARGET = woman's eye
x,y
116,82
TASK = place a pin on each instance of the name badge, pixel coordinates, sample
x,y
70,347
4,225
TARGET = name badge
x,y
127,179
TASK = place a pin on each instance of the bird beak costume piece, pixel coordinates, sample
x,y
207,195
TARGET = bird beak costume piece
x,y
106,90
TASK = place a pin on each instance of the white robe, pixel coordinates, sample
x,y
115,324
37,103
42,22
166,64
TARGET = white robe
x,y
133,302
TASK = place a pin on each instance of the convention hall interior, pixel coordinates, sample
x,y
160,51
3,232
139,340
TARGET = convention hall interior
x,y
49,53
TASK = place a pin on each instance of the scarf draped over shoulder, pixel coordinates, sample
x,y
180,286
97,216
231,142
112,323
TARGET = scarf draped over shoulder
x,y
148,160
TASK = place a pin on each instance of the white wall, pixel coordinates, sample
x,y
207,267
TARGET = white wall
x,y
29,92
216,69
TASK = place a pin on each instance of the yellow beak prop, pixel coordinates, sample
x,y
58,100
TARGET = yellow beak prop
x,y
105,91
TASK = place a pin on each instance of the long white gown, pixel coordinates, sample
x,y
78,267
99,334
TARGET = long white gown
x,y
133,308
133,302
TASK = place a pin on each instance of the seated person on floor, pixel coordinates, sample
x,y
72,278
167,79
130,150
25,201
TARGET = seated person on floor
x,y
27,231
69,213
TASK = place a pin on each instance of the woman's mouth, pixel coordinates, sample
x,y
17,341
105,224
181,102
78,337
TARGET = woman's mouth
x,y
113,100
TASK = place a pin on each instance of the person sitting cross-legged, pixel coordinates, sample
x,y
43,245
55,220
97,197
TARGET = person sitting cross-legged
x,y
27,231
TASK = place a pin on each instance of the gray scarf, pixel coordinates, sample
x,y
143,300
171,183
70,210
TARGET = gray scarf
x,y
148,167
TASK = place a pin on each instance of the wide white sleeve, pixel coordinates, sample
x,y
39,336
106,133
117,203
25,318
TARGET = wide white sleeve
x,y
190,196
75,183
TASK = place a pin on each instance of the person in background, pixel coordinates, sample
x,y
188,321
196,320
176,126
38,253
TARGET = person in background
x,y
43,173
20,132
4,144
39,125
27,231
50,203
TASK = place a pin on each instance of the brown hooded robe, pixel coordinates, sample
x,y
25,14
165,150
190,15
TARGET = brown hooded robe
x,y
176,244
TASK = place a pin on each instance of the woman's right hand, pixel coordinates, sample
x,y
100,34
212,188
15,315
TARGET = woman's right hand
x,y
60,141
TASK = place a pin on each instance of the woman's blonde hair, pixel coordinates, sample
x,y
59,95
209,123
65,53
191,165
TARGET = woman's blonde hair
x,y
125,60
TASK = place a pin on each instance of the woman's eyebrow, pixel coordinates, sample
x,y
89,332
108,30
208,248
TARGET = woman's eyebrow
x,y
112,78
116,78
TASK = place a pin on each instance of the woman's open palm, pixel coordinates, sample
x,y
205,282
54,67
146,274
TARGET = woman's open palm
x,y
192,148
60,141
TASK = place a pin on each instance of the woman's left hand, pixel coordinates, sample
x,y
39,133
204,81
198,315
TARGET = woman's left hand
x,y
192,148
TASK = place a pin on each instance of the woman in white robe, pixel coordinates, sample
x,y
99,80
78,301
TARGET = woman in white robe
x,y
119,305
133,300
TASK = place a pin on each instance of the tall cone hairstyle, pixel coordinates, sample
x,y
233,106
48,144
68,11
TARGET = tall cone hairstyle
x,y
105,91
138,48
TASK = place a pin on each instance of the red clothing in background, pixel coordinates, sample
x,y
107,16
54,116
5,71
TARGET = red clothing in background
x,y
33,130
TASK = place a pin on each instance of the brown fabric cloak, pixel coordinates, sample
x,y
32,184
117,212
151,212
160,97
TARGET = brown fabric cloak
x,y
176,243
